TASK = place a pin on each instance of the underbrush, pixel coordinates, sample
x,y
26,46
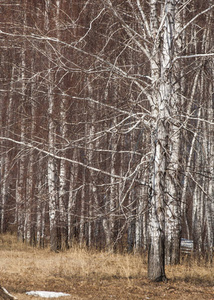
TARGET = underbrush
x,y
31,268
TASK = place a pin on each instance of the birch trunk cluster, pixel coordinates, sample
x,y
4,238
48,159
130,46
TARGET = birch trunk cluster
x,y
107,125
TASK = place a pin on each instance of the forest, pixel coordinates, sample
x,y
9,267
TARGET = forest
x,y
107,125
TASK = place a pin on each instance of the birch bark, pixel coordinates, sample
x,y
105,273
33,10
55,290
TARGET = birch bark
x,y
40,206
160,108
29,207
20,192
52,173
62,181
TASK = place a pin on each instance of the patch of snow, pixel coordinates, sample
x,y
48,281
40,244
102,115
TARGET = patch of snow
x,y
45,294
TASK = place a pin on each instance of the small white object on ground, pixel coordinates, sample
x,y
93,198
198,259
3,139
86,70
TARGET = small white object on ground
x,y
45,294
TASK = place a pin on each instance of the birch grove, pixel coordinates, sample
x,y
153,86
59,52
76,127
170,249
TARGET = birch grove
x,y
106,134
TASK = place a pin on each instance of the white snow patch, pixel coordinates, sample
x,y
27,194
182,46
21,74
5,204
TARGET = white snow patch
x,y
45,294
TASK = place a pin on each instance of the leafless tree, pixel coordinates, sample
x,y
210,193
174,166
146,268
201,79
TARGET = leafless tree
x,y
108,139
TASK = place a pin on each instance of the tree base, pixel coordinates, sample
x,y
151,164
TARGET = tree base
x,y
161,279
5,295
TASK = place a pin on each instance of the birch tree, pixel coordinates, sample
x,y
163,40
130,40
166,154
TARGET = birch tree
x,y
119,93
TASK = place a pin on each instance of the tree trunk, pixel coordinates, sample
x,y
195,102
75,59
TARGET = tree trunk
x,y
156,228
52,187
52,172
72,198
63,199
160,102
5,158
173,205
20,192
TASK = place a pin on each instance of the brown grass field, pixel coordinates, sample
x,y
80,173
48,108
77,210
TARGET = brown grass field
x,y
97,275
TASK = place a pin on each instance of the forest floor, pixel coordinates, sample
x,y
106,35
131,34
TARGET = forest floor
x,y
97,275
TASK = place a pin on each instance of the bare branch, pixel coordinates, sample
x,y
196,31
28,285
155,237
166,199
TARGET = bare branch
x,y
31,146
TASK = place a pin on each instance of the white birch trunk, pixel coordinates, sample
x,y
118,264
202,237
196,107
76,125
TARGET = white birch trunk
x,y
62,182
29,233
20,192
90,129
156,244
82,212
52,177
52,194
39,219
173,204
41,206
29,200
113,196
161,108
63,196
51,147
173,211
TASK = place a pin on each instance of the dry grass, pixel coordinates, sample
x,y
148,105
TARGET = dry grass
x,y
94,275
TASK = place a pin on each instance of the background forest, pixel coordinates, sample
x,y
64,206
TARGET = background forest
x,y
106,116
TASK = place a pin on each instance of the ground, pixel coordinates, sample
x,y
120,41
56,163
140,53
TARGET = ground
x,y
98,276
119,289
